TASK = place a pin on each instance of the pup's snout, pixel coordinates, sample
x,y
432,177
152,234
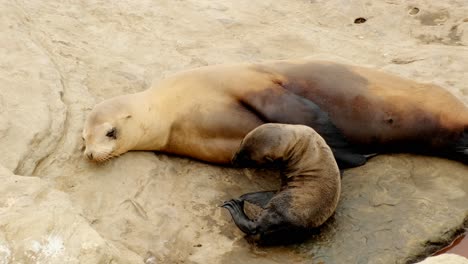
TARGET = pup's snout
x,y
240,160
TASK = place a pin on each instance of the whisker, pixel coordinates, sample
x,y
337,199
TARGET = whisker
x,y
104,155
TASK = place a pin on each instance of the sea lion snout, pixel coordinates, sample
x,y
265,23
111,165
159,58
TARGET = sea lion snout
x,y
89,154
242,159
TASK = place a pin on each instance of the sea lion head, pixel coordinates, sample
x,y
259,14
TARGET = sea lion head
x,y
109,130
265,144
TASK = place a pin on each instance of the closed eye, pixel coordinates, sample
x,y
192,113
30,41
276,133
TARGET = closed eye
x,y
112,133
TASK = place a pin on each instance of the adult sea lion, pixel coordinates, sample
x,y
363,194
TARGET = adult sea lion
x,y
204,113
310,185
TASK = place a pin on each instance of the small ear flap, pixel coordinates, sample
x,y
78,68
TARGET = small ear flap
x,y
129,116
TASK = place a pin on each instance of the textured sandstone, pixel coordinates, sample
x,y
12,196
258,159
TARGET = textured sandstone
x,y
60,58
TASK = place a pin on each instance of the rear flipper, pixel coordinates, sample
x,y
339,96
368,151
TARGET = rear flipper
x,y
278,105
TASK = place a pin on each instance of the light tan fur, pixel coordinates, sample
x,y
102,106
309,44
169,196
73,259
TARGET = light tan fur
x,y
201,113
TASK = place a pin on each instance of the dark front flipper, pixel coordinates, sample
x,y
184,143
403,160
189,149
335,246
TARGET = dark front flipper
x,y
278,105
269,221
459,151
272,226
461,155
457,155
236,209
346,159
258,198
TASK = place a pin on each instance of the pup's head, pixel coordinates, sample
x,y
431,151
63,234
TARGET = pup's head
x,y
263,145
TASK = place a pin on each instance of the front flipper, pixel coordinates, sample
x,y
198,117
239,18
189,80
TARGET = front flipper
x,y
258,198
269,221
273,227
236,209
278,105
457,152
346,159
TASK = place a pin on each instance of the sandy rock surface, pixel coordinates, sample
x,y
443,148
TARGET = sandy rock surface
x,y
58,59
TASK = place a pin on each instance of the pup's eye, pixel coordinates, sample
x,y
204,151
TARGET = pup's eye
x,y
111,133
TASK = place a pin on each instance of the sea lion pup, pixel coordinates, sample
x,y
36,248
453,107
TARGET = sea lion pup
x,y
310,180
204,113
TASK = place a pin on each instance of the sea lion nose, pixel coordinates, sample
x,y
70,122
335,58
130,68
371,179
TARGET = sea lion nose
x,y
89,154
240,160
